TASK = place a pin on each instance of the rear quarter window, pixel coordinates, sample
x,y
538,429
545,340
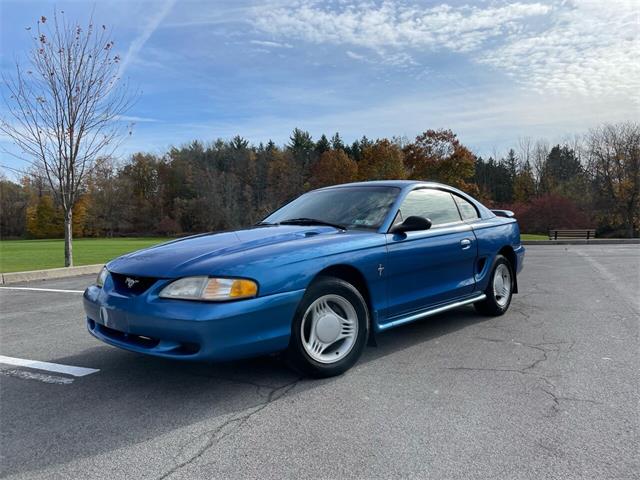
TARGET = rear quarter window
x,y
467,209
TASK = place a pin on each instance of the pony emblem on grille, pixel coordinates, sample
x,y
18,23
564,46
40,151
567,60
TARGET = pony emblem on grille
x,y
131,282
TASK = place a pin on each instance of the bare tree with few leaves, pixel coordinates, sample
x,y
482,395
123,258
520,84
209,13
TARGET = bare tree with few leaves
x,y
65,107
539,155
614,162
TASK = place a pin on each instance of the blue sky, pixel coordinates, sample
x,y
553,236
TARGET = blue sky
x,y
491,71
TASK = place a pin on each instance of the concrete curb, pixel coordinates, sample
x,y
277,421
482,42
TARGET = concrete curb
x,y
15,277
594,241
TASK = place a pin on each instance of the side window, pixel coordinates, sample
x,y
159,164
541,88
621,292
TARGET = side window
x,y
436,205
467,210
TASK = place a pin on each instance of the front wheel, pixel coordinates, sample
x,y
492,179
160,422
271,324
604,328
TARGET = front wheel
x,y
329,331
500,289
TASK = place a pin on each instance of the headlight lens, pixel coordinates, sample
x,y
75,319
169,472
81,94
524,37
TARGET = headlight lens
x,y
212,289
102,277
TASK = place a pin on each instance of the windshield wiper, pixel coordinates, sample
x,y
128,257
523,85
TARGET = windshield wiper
x,y
311,221
265,224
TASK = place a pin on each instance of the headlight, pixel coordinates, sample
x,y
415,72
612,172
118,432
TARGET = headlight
x,y
213,289
102,276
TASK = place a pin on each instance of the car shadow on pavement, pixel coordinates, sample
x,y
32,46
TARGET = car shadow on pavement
x,y
136,398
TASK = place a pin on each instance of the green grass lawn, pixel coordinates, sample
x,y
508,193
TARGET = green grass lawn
x,y
533,236
22,255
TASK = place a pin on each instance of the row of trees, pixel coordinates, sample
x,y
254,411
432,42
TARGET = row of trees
x,y
593,180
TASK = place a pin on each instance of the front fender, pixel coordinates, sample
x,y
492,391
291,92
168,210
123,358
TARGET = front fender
x,y
366,261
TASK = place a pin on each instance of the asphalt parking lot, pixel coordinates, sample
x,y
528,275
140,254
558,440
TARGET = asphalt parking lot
x,y
549,390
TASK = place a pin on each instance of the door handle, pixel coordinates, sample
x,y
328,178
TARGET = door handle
x,y
465,244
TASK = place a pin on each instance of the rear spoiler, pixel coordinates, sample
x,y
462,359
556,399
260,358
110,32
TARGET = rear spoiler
x,y
504,213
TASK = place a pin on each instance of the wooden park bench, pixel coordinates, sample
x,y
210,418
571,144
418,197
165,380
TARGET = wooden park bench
x,y
572,234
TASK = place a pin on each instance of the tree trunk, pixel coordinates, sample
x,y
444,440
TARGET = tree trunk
x,y
68,238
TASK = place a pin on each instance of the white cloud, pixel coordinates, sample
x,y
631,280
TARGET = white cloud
x,y
136,119
584,47
395,25
590,48
355,56
266,43
138,42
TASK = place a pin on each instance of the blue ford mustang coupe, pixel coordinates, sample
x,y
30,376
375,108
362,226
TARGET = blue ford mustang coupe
x,y
317,278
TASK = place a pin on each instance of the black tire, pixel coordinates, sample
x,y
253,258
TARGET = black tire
x,y
297,356
495,305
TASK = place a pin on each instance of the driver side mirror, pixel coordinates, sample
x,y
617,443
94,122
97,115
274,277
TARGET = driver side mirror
x,y
413,223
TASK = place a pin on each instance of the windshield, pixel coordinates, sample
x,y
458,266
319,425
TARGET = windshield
x,y
351,207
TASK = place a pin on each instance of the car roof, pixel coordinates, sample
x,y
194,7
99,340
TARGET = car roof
x,y
407,185
388,183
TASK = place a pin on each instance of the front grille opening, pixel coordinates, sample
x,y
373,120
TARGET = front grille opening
x,y
184,348
139,340
131,284
143,341
110,332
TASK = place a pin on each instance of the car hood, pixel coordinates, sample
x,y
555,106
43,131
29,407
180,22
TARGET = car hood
x,y
231,252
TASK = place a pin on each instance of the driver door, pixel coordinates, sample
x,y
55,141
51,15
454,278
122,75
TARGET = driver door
x,y
430,267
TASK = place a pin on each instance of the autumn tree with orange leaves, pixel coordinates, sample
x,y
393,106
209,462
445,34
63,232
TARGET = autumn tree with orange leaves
x,y
333,167
439,156
382,160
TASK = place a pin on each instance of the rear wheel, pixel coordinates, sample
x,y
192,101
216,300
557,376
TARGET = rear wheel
x,y
500,289
329,330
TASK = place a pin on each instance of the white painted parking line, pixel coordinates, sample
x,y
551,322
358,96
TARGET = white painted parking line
x,y
41,289
49,367
41,377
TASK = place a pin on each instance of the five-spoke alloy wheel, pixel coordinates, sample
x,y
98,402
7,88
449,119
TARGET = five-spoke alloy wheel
x,y
330,328
502,284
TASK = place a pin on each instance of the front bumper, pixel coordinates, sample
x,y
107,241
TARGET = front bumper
x,y
191,330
